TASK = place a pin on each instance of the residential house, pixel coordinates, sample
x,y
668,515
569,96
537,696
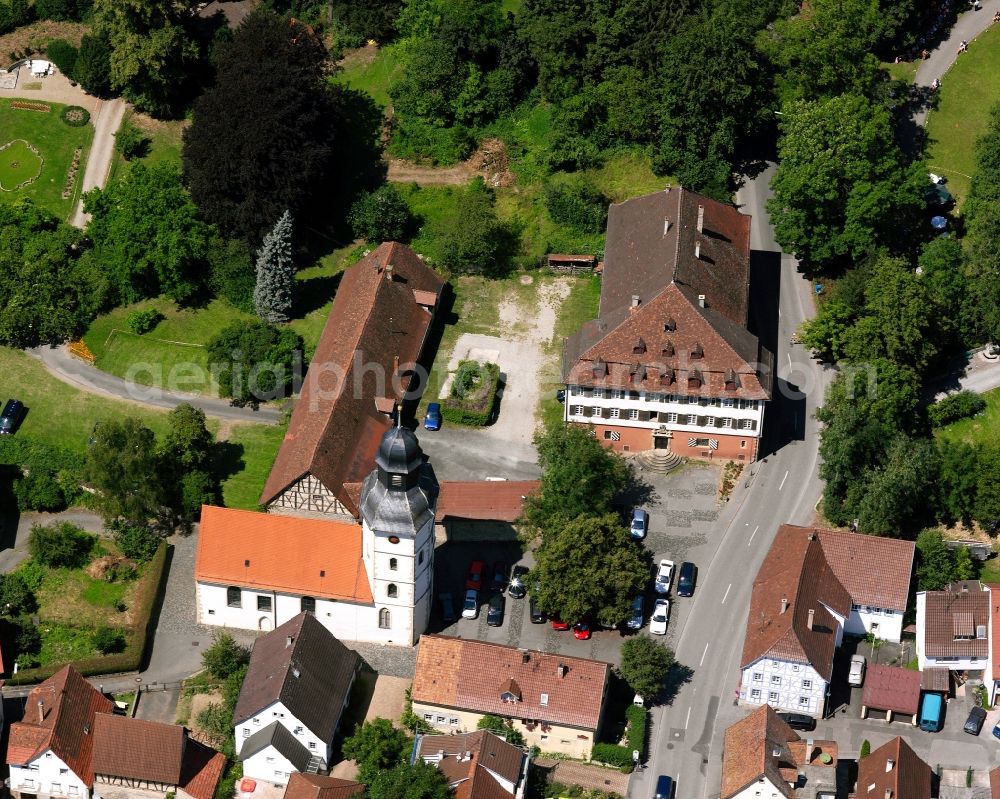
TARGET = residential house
x,y
764,758
151,757
477,765
814,586
556,702
316,786
669,363
893,771
953,628
49,750
293,696
992,678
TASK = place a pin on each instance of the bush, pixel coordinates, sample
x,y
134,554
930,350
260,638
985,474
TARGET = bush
x,y
866,749
60,544
473,394
638,718
75,116
138,542
231,272
224,657
143,320
131,143
580,207
473,239
417,140
108,641
613,755
34,455
93,65
39,491
33,573
255,361
954,407
16,597
63,55
381,215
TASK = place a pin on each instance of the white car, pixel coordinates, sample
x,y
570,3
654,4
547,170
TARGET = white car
x,y
856,676
664,576
470,609
661,614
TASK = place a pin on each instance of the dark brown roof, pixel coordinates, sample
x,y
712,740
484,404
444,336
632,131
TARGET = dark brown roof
x,y
376,318
749,752
467,761
202,770
995,783
138,749
795,570
908,777
891,688
315,786
68,705
994,591
484,500
951,620
936,679
311,675
470,675
876,571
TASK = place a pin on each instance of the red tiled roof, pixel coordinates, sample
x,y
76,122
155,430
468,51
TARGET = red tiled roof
x,y
994,589
311,557
67,704
469,675
201,770
892,688
795,570
138,749
485,500
876,571
376,318
952,613
315,786
467,760
995,783
908,777
748,752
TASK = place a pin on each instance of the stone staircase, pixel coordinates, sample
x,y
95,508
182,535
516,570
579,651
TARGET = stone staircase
x,y
661,461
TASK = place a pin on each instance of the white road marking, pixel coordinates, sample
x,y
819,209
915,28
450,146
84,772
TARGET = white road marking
x,y
789,361
700,662
783,481
755,529
688,719
724,598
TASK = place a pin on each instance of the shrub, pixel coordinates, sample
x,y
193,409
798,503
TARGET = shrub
x,y
143,320
131,143
15,595
472,238
224,657
108,641
231,272
580,207
866,749
93,65
33,573
75,116
473,394
637,717
60,544
381,215
37,456
613,755
63,55
954,407
136,541
39,491
255,361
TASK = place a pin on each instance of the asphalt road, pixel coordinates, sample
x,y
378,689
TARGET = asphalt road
x,y
687,735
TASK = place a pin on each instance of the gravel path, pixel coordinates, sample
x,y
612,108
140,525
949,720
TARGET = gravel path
x,y
106,120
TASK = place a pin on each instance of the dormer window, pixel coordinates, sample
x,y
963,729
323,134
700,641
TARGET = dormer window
x,y
732,381
694,378
697,353
667,376
510,691
670,325
668,349
639,347
507,696
639,375
600,369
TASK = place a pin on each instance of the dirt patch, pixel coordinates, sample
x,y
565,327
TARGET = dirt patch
x,y
358,57
147,124
36,37
490,162
388,699
198,703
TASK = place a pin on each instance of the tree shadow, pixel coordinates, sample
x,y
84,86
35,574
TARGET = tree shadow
x,y
227,459
316,292
678,675
9,513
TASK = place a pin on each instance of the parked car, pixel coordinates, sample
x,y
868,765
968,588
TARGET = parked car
x,y
637,617
11,416
996,730
581,630
798,721
475,578
974,724
686,578
640,524
499,581
661,615
559,625
470,610
494,616
432,419
931,708
447,607
664,787
664,576
517,588
856,676
537,615
560,395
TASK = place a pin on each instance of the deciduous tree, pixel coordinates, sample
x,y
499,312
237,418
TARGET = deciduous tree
x,y
123,466
422,780
376,746
224,657
935,563
255,361
381,215
645,665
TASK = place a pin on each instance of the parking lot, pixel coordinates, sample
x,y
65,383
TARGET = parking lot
x,y
683,508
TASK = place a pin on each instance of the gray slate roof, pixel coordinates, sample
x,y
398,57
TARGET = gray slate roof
x,y
280,737
311,675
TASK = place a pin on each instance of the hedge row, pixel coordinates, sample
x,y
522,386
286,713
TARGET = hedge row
x,y
37,455
471,403
637,718
147,601
954,407
613,755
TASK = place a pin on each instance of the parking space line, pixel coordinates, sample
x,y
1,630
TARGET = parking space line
x,y
755,529
727,594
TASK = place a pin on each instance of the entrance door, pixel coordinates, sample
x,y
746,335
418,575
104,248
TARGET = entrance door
x,y
661,439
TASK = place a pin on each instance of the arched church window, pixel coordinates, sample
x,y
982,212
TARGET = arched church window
x,y
392,591
383,618
392,564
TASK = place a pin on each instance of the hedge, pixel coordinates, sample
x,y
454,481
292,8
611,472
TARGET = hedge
x,y
613,755
131,659
37,455
955,407
638,718
472,403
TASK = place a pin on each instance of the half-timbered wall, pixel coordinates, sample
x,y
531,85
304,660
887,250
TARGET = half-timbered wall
x,y
783,685
309,495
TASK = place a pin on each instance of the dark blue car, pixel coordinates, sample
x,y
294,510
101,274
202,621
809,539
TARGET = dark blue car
x,y
432,419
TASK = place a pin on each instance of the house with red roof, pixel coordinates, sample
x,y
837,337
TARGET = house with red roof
x,y
669,363
477,765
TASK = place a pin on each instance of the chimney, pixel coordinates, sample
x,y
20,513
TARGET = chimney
x,y
889,763
395,364
697,249
289,640
41,711
809,750
701,218
525,657
701,300
888,793
635,300
561,670
809,623
784,604
388,272
666,226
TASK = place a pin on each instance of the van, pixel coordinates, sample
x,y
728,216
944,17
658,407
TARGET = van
x,y
686,579
11,416
931,708
664,787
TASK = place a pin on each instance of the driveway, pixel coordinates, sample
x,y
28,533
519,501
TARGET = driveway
x,y
107,118
15,547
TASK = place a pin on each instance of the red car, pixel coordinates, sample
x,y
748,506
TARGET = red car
x,y
559,625
475,579
581,631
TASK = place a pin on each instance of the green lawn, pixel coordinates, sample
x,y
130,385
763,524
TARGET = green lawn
x,y
968,91
252,454
982,428
56,142
19,165
374,76
165,143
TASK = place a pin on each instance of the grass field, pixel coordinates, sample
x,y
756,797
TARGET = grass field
x,y
165,142
19,165
968,91
982,428
253,452
372,76
56,142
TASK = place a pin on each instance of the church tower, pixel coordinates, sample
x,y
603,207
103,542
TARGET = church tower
x,y
398,500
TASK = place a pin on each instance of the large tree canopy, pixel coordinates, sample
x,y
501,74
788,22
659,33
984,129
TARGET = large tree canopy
x,y
260,141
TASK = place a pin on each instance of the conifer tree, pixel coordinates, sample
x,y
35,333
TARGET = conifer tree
x,y
275,290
